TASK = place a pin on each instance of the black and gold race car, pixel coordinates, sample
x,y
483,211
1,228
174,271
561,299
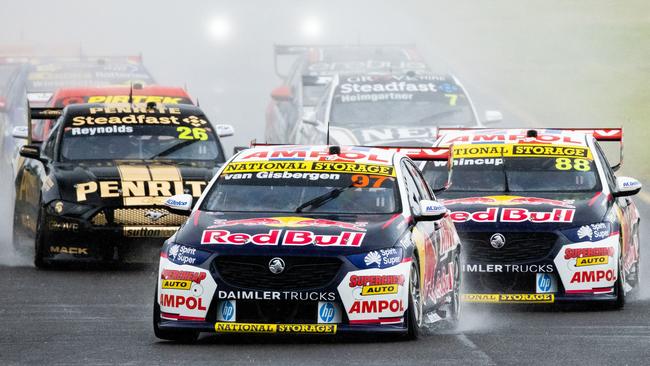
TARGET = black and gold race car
x,y
94,189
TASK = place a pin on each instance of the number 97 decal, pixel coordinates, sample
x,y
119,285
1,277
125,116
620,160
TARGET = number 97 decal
x,y
581,165
187,133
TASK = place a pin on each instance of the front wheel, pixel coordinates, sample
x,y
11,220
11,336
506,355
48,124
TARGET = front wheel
x,y
180,336
39,245
414,321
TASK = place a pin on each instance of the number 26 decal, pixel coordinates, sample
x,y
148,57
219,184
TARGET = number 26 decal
x,y
187,133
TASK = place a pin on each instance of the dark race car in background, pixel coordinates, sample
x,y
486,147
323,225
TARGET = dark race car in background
x,y
311,240
311,70
388,109
47,74
94,190
541,215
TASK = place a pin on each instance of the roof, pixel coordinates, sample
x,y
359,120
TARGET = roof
x,y
510,136
354,154
116,94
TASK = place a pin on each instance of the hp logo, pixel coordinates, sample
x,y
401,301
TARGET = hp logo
x,y
227,310
326,312
544,282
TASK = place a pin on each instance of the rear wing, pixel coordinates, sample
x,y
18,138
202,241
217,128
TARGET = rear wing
x,y
280,50
610,134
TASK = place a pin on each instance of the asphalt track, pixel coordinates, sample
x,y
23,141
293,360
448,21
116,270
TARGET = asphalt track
x,y
103,316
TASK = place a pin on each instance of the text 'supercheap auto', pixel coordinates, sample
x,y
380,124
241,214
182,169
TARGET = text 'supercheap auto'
x,y
310,239
541,215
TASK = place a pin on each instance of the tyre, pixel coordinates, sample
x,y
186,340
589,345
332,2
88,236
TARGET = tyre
x,y
414,316
456,304
180,336
39,244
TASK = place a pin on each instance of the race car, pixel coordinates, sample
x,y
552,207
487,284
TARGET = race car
x,y
47,74
312,240
94,190
312,70
541,215
388,109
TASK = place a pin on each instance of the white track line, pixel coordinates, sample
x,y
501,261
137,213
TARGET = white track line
x,y
483,357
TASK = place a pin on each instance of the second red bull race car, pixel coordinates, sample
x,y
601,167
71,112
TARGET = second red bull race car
x,y
541,215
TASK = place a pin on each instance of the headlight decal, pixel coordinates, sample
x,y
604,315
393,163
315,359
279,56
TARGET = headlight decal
x,y
380,258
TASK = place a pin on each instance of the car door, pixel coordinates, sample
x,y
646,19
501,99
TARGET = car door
x,y
627,215
424,233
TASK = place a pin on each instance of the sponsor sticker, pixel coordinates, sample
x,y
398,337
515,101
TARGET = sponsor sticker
x,y
328,313
309,166
515,150
290,238
509,298
227,311
222,327
545,283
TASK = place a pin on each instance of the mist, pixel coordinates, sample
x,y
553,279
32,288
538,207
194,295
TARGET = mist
x,y
541,63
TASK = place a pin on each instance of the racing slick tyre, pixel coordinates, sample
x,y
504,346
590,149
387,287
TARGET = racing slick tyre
x,y
39,245
180,336
414,314
456,304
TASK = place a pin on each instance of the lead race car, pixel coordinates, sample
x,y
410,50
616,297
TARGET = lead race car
x,y
95,188
309,239
541,214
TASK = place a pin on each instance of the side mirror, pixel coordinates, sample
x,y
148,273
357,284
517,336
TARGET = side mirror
x,y
180,203
431,211
282,94
310,120
492,117
224,130
20,132
626,186
237,149
31,152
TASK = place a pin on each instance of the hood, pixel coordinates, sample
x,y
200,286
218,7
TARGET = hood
x,y
128,183
289,234
524,211
384,135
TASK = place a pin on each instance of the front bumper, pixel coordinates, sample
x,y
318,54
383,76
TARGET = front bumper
x,y
218,305
565,272
76,239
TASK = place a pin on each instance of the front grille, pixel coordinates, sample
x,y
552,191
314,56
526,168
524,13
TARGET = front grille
x,y
300,273
271,311
519,247
137,216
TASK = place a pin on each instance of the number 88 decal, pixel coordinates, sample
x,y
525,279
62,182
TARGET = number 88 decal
x,y
575,164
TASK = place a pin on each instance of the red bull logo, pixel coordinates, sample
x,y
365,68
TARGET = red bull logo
x,y
509,201
291,222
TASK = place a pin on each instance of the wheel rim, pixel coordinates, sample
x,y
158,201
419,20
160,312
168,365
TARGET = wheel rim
x,y
416,299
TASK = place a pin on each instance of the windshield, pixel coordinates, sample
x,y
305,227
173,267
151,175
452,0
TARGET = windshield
x,y
141,135
516,174
303,186
400,103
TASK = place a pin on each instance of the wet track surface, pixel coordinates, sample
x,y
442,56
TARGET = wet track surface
x,y
70,316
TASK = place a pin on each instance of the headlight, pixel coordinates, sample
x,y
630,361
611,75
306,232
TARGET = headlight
x,y
380,258
591,232
65,208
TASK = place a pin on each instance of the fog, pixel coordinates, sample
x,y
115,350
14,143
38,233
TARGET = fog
x,y
542,63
